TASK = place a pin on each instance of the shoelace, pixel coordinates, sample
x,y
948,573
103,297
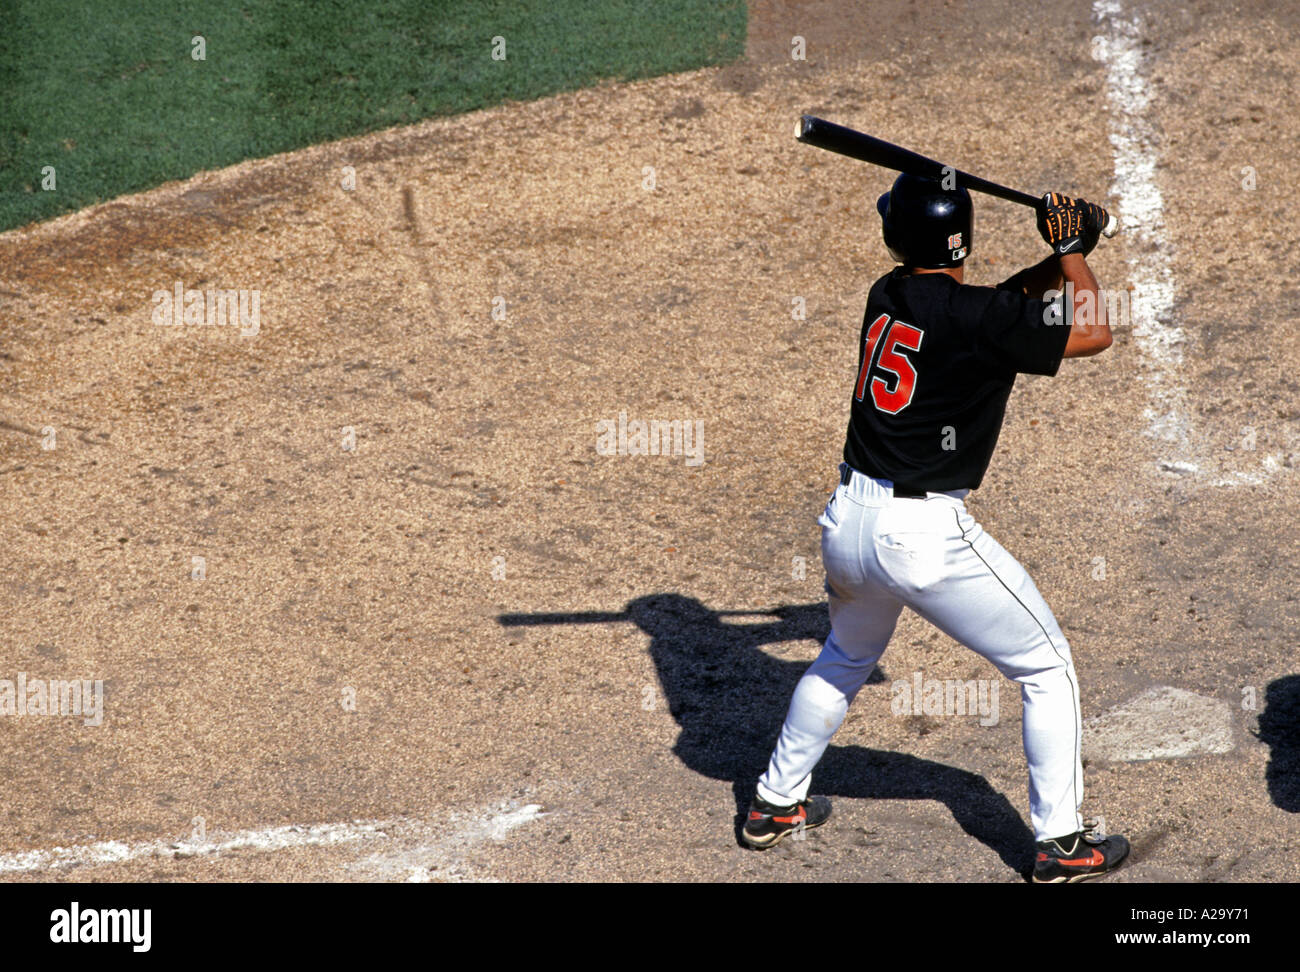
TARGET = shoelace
x,y
1094,829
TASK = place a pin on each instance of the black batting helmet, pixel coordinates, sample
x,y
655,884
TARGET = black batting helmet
x,y
926,225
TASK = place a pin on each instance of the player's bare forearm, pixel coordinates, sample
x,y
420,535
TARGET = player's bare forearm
x,y
1089,328
1040,278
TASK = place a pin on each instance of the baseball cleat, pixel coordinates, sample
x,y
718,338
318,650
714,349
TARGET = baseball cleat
x,y
768,824
1077,857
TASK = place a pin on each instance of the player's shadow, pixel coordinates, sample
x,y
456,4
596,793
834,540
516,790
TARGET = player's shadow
x,y
730,698
1279,728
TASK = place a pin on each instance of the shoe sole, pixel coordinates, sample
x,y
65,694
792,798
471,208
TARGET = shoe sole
x,y
771,840
1075,879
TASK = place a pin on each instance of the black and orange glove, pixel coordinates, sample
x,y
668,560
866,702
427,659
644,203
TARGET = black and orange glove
x,y
1069,225
1094,221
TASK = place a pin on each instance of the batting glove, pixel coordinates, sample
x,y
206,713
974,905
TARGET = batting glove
x,y
1064,224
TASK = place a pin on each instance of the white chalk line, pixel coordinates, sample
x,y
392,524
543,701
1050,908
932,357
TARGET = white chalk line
x,y
422,854
1141,213
424,844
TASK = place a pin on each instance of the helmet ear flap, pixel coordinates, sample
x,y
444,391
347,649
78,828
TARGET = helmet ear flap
x,y
888,228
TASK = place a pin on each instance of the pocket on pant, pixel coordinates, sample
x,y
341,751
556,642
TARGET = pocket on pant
x,y
909,548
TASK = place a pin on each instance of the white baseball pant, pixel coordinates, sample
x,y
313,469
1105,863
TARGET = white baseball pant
x,y
881,553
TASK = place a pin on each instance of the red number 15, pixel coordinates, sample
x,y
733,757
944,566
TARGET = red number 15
x,y
890,359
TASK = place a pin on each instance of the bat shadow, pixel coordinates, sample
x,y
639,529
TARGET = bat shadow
x,y
1279,729
730,697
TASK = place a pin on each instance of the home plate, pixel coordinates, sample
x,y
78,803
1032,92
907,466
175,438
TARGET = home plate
x,y
1162,723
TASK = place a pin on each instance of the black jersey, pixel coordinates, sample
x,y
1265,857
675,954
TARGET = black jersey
x,y
936,364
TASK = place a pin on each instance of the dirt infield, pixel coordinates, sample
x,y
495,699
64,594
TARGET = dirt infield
x,y
432,632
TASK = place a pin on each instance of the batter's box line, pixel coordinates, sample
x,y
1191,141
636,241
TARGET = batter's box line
x,y
1141,210
491,824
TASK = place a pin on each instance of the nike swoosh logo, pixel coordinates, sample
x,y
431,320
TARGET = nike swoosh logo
x,y
1067,249
1093,860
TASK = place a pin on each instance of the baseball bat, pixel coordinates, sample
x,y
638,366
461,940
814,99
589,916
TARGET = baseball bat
x,y
867,148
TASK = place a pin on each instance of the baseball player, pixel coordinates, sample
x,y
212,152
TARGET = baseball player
x,y
937,362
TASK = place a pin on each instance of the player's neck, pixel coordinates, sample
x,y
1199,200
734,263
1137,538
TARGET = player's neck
x,y
954,272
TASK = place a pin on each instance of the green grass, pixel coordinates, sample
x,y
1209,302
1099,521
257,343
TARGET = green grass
x,y
106,91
